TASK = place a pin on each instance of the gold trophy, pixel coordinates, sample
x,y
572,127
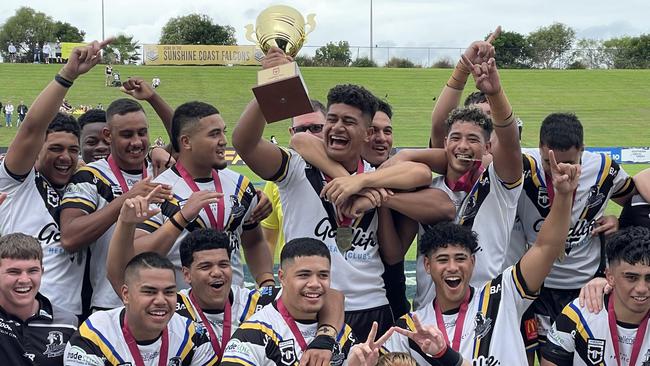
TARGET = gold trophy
x,y
281,92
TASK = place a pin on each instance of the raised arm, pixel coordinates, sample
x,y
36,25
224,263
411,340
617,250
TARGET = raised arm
x,y
263,157
141,90
507,152
121,250
449,98
537,262
25,147
258,256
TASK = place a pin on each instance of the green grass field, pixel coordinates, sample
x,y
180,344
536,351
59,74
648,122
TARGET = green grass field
x,y
613,105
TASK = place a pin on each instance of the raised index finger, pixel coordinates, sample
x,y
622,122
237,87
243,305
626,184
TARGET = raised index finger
x,y
552,161
153,193
106,42
494,35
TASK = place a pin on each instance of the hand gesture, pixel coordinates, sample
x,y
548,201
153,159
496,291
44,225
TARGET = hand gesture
x,y
275,57
138,88
354,207
3,197
145,186
84,58
316,357
376,195
485,75
137,209
263,208
607,225
340,189
429,338
367,354
195,203
565,176
592,294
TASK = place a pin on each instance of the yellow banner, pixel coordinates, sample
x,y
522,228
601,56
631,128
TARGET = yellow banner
x,y
66,48
201,55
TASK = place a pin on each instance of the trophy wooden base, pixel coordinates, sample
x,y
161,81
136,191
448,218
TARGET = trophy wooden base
x,y
282,93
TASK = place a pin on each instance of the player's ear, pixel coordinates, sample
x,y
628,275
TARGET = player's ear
x,y
124,292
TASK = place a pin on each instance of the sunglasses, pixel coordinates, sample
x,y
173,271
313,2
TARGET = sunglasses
x,y
312,128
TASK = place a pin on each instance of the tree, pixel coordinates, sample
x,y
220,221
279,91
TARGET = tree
x,y
333,54
124,49
512,50
363,62
26,28
196,29
549,44
629,52
592,54
66,32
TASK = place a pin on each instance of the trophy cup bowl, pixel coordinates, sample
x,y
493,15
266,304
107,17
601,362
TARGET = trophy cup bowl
x,y
281,91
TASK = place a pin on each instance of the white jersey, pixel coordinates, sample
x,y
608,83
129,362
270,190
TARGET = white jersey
x,y
358,273
92,188
30,208
244,303
266,340
490,334
240,199
100,341
579,337
601,179
425,290
490,209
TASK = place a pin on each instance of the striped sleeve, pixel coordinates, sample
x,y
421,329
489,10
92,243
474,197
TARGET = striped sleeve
x,y
86,188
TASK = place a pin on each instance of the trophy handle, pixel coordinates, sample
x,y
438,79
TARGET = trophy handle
x,y
249,33
311,23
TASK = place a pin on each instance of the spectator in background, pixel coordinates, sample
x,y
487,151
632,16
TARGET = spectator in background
x,y
100,106
37,53
22,111
57,51
155,82
9,110
47,52
274,141
108,71
12,52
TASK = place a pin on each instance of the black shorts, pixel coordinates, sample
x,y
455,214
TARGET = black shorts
x,y
528,329
395,285
361,321
549,305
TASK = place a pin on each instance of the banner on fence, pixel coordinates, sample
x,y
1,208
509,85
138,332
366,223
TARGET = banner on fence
x,y
155,54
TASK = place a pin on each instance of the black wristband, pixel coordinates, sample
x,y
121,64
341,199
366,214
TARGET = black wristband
x,y
322,342
63,81
450,358
175,223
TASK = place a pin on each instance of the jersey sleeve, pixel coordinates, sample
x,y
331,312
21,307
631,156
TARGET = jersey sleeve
x,y
203,353
507,192
273,220
256,299
515,287
10,183
623,183
246,347
167,209
80,351
84,190
248,198
563,336
292,165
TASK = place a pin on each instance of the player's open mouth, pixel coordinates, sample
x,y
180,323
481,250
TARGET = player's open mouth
x,y
453,281
23,289
465,157
100,156
217,284
136,151
64,169
338,142
312,295
158,313
380,148
221,154
640,298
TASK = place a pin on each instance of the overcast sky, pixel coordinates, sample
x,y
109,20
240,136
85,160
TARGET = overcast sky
x,y
422,23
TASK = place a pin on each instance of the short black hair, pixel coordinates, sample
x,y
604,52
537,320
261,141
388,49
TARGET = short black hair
x,y
383,106
304,247
561,131
202,239
475,98
189,114
355,96
121,107
147,260
92,116
64,122
472,115
630,245
447,233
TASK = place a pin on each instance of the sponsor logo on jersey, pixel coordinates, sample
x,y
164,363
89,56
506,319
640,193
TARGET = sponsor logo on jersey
x,y
362,239
55,345
482,325
236,210
542,198
31,356
485,361
174,361
49,234
288,352
595,350
595,198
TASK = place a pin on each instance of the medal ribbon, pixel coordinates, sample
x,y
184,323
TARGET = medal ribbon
x,y
217,223
292,325
133,345
466,181
460,321
613,330
120,177
227,325
347,221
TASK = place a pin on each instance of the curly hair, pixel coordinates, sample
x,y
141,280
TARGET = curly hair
x,y
203,239
473,115
443,234
630,245
355,96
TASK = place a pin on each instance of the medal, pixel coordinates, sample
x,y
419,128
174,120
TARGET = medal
x,y
344,236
